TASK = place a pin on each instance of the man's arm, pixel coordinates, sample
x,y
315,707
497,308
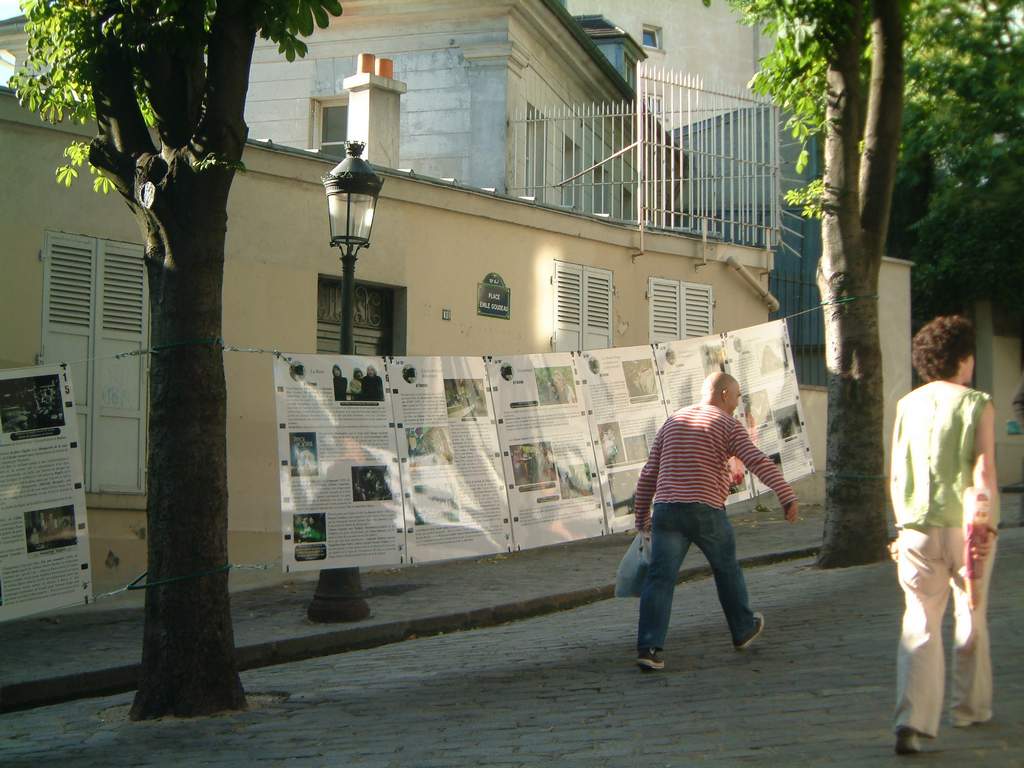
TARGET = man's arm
x,y
742,448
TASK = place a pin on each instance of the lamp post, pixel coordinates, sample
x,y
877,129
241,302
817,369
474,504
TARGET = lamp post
x,y
352,189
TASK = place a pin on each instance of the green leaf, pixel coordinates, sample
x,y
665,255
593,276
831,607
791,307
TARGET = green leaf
x,y
66,174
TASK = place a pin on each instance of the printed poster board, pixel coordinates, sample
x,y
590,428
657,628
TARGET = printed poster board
x,y
452,477
550,468
44,536
683,365
341,494
625,409
761,360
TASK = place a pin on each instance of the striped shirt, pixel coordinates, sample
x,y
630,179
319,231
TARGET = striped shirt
x,y
689,461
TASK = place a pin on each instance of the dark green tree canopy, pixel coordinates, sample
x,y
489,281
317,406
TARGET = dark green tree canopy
x,y
961,175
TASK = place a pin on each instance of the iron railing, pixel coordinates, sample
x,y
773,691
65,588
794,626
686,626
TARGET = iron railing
x,y
681,157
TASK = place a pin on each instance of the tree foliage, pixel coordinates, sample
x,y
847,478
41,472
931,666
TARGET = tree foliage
x,y
160,49
961,174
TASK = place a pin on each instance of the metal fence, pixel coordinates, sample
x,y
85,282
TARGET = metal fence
x,y
681,157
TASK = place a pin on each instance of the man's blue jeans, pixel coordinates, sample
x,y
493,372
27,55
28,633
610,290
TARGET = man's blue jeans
x,y
675,526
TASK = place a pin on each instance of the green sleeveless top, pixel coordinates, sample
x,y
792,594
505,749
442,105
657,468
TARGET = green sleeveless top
x,y
933,456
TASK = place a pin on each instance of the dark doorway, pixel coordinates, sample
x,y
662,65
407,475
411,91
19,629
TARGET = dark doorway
x,y
373,324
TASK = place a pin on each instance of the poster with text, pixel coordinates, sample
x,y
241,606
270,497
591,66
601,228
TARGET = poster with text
x,y
44,538
761,360
341,494
452,477
550,469
625,408
683,366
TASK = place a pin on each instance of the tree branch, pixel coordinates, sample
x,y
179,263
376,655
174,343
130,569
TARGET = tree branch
x,y
843,128
222,130
174,72
122,135
882,127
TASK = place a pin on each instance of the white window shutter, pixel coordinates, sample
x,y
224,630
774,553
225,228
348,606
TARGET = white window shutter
x,y
69,296
568,307
665,301
698,309
122,326
597,308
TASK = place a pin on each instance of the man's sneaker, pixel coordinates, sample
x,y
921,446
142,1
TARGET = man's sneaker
x,y
758,627
649,659
908,741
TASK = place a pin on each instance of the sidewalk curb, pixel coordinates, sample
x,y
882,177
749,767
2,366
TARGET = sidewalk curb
x,y
106,682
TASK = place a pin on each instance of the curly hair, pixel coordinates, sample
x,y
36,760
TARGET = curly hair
x,y
941,345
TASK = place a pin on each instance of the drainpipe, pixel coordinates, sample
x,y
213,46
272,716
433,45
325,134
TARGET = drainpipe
x,y
770,301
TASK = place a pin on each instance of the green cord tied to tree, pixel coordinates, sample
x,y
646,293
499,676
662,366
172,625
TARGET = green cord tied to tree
x,y
135,585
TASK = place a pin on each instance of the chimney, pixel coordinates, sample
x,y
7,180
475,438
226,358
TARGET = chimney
x,y
373,109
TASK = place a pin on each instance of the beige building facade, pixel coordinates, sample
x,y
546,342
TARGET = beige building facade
x,y
433,244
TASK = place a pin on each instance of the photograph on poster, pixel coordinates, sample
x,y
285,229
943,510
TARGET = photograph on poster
x,y
50,528
713,357
757,407
310,528
575,481
610,439
429,446
409,374
340,384
670,356
595,365
773,358
304,459
370,483
533,466
434,503
641,382
466,398
637,448
306,552
623,489
31,402
555,385
507,372
788,420
357,385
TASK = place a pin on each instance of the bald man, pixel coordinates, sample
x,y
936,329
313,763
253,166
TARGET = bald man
x,y
687,476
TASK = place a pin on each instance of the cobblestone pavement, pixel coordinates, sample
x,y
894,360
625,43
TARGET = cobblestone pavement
x,y
108,633
561,690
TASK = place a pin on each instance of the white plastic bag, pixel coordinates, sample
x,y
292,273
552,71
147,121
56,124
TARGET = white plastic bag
x,y
629,579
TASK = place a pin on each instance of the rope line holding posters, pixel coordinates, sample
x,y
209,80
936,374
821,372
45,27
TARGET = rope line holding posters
x,y
135,585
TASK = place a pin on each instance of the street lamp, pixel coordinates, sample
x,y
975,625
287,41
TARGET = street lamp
x,y
352,189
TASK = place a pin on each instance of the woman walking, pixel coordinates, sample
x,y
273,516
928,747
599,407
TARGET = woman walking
x,y
943,448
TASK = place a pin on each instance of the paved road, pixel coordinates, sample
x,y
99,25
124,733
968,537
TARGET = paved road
x,y
561,690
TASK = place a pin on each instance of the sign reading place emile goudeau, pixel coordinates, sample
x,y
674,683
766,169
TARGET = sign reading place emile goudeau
x,y
493,298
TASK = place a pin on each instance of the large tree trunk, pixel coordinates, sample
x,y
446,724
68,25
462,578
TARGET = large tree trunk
x,y
188,660
858,193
